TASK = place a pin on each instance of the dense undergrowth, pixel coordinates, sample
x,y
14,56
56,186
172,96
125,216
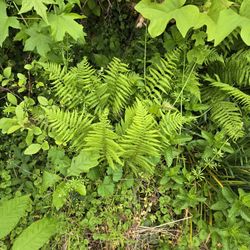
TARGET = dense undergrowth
x,y
112,139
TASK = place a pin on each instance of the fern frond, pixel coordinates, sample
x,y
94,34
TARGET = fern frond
x,y
160,75
228,43
117,88
190,79
72,88
53,70
171,125
212,56
125,123
141,139
102,139
66,126
237,94
235,71
228,117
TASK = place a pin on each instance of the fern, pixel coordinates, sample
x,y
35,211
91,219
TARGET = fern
x,y
229,42
67,126
140,142
102,140
188,81
159,80
117,88
238,95
53,70
235,71
212,55
228,116
72,88
171,125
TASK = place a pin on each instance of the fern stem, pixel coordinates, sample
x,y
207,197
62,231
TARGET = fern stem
x,y
145,55
185,84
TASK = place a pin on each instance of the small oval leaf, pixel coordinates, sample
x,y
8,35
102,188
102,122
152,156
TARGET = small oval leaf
x,y
11,98
32,149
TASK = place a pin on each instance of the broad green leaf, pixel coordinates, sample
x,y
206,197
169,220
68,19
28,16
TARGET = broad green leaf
x,y
217,6
246,200
199,38
36,235
37,41
245,213
228,194
83,163
116,173
58,160
45,145
245,8
7,72
19,113
11,98
38,5
6,22
220,205
245,24
6,124
63,190
106,188
10,213
49,180
244,197
42,100
228,20
65,23
234,209
160,14
29,138
32,149
13,129
36,130
75,2
60,195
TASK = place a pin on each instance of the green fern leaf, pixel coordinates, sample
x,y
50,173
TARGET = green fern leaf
x,y
10,213
74,87
227,116
36,235
235,71
102,140
238,95
141,140
159,79
68,126
53,70
117,88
